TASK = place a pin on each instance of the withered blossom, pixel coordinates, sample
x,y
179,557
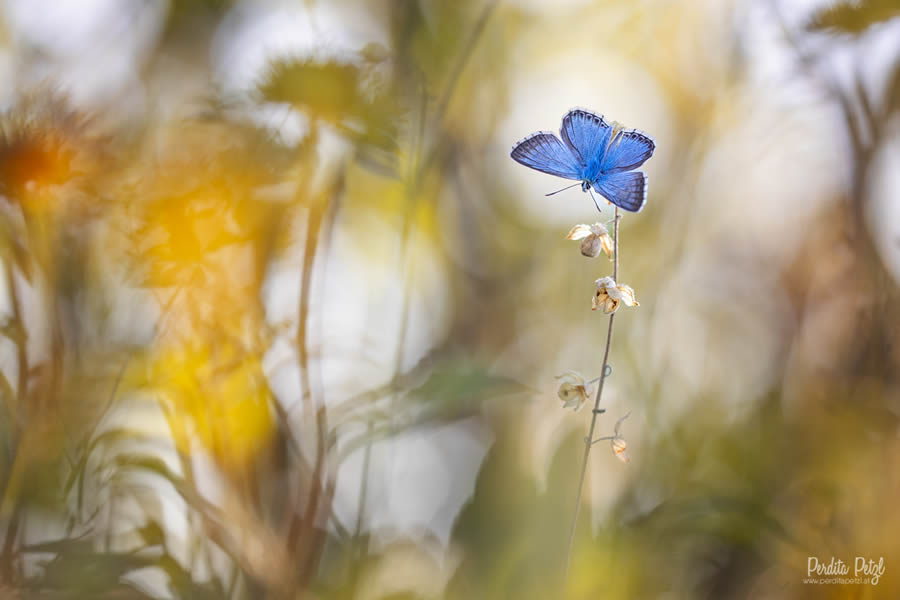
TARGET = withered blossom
x,y
609,294
574,391
594,239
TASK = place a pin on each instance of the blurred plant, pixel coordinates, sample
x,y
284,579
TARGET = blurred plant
x,y
854,17
865,116
353,99
392,104
48,154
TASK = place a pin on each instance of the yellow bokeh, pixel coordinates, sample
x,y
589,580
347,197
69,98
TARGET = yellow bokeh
x,y
216,397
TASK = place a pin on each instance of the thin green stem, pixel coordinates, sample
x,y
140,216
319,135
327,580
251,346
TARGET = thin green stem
x,y
590,436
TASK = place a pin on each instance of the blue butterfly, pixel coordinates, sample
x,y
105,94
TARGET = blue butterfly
x,y
601,155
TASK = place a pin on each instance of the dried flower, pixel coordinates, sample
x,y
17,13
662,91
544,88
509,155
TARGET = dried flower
x,y
609,294
617,442
574,391
595,238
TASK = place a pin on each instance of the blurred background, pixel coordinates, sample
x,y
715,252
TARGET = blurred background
x,y
281,318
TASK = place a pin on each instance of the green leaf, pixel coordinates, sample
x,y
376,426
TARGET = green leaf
x,y
854,17
77,571
152,534
453,389
182,584
13,331
153,465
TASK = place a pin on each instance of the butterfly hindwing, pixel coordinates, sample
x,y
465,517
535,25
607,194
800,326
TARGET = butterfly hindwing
x,y
545,152
627,151
625,190
587,135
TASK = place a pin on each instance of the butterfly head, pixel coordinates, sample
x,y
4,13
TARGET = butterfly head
x,y
585,185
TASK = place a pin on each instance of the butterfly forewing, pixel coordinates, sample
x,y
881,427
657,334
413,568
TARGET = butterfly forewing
x,y
625,190
627,151
546,153
587,135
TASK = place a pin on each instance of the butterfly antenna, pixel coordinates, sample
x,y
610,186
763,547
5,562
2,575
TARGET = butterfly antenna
x,y
568,187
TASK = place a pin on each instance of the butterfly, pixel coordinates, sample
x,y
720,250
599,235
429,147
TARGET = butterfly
x,y
602,156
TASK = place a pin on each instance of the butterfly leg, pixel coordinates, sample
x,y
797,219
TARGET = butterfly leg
x,y
594,198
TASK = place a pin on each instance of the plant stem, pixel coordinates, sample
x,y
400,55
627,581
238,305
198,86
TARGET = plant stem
x,y
590,436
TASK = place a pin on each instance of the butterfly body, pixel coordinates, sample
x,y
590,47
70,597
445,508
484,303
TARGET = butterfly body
x,y
601,155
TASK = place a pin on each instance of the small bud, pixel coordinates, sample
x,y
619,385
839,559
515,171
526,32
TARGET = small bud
x,y
617,443
619,448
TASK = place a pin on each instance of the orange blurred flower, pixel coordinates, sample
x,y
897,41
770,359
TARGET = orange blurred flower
x,y
44,145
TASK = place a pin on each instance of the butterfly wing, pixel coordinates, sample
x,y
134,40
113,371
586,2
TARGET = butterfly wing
x,y
544,152
627,151
625,190
587,136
